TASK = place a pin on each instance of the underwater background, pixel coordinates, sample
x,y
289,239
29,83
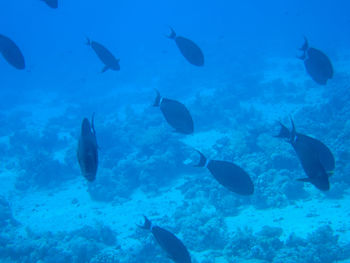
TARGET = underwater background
x,y
251,79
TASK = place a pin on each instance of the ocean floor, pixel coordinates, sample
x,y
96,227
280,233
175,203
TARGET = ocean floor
x,y
69,207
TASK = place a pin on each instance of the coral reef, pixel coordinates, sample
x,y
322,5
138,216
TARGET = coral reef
x,y
79,246
6,218
322,245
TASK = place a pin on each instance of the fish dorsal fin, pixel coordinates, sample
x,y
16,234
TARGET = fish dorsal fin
x,y
88,41
203,162
303,56
284,132
146,225
158,99
105,68
172,34
305,46
93,123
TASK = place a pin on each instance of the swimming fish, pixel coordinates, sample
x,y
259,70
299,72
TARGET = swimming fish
x,y
87,150
51,3
316,158
188,49
11,53
173,246
105,56
175,113
317,64
229,175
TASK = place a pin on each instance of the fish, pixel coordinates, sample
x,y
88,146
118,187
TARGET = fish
x,y
315,157
229,175
88,150
105,56
11,53
190,50
175,113
173,247
51,3
317,64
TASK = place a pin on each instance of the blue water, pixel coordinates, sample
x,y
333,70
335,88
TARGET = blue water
x,y
251,79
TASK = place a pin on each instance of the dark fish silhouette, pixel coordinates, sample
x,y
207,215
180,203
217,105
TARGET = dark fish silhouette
x,y
175,113
315,157
173,246
188,49
317,64
231,176
87,150
51,3
105,56
11,53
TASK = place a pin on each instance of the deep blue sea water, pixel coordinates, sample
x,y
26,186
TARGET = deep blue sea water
x,y
251,80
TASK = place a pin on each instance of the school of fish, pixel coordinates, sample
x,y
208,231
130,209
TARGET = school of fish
x,y
315,157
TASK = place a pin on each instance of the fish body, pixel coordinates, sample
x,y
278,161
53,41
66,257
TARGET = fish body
x,y
51,3
315,157
229,175
173,246
11,53
311,163
175,113
190,50
88,150
105,56
317,64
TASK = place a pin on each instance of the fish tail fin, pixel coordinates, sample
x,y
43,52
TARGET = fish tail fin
x,y
147,224
303,56
88,41
293,132
157,99
202,160
172,33
105,68
305,46
284,132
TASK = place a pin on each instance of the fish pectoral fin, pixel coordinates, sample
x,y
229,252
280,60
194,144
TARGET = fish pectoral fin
x,y
105,68
304,180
